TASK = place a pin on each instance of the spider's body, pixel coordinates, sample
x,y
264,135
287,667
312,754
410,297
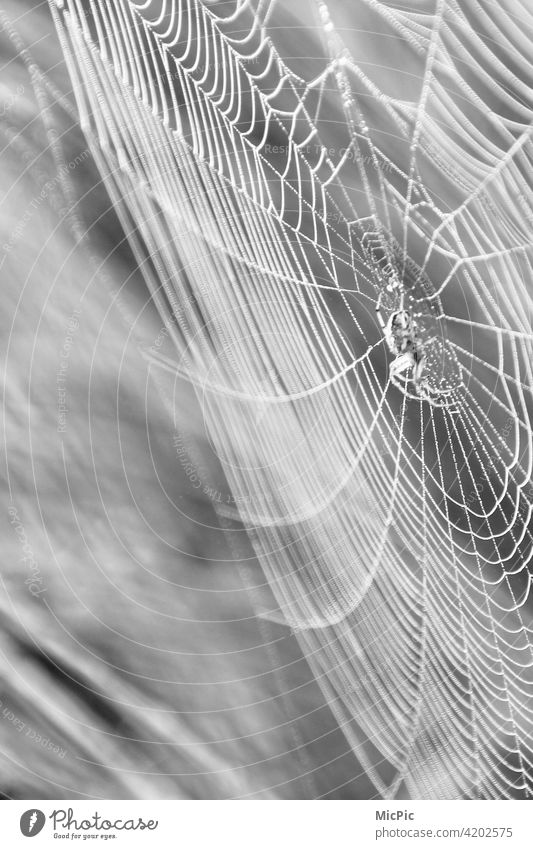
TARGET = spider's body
x,y
400,332
402,340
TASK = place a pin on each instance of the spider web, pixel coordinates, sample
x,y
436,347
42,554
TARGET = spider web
x,y
273,202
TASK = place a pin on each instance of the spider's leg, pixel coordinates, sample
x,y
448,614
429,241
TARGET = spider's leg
x,y
378,312
438,398
401,364
397,368
403,386
418,370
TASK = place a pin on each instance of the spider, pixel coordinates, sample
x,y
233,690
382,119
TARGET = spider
x,y
402,340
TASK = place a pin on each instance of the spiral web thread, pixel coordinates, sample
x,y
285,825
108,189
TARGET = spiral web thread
x,y
271,214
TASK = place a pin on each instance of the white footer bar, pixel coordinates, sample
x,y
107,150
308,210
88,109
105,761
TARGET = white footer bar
x,y
267,824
